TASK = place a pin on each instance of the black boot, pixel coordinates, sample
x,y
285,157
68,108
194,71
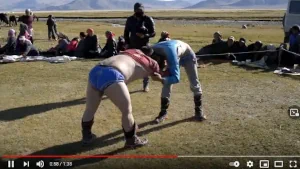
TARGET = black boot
x,y
87,136
132,140
199,115
165,102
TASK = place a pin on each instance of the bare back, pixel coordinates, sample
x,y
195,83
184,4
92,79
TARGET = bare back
x,y
131,69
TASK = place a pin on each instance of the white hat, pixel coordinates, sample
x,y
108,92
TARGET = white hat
x,y
22,38
232,38
11,32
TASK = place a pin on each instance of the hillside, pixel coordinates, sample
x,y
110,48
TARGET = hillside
x,y
32,4
259,2
20,5
118,4
206,4
239,4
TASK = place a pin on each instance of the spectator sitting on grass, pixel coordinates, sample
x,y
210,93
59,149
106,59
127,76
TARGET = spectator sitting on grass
x,y
232,47
257,46
110,48
26,48
10,47
217,38
71,48
242,47
91,45
62,46
121,46
23,32
215,48
80,46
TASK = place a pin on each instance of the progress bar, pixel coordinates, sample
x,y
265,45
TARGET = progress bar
x,y
252,156
144,156
91,156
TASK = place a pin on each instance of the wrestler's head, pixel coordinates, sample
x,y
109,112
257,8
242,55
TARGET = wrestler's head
x,y
151,53
147,50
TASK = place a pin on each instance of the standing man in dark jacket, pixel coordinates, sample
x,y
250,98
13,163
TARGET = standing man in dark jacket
x,y
138,30
51,28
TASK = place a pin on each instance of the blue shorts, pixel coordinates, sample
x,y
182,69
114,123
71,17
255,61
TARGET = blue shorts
x,y
102,77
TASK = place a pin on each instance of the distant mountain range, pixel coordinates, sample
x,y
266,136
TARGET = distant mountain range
x,y
240,4
119,4
13,5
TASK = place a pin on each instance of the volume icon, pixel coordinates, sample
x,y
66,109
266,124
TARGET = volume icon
x,y
40,164
11,164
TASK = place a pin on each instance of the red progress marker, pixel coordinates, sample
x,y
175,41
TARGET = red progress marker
x,y
93,156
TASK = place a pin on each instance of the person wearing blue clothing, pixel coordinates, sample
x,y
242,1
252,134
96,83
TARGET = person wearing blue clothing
x,y
176,53
294,39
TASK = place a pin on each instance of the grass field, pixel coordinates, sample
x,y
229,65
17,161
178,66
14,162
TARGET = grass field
x,y
231,14
42,104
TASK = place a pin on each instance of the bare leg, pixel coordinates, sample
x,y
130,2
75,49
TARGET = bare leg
x,y
93,99
118,93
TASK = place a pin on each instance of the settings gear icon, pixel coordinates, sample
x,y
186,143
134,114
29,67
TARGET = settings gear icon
x,y
250,164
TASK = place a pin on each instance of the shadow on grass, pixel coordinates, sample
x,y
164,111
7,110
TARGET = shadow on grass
x,y
257,70
22,112
100,142
290,77
270,70
212,62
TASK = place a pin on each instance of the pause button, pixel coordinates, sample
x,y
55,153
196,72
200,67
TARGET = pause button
x,y
11,164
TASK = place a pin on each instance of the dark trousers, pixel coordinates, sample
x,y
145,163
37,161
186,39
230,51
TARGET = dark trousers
x,y
33,53
48,53
297,60
91,55
288,59
51,32
55,29
2,50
